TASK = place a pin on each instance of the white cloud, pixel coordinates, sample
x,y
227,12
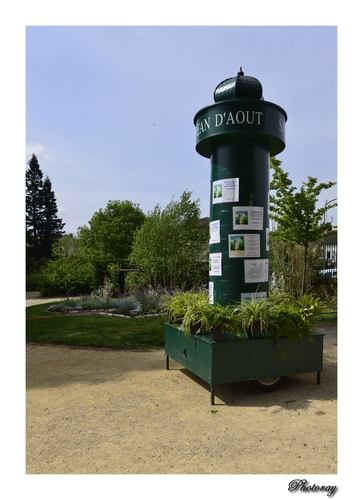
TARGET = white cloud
x,y
39,151
63,211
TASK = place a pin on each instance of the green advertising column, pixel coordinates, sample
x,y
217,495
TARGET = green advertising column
x,y
239,133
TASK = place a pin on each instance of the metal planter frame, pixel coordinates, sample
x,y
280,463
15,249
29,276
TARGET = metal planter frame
x,y
238,360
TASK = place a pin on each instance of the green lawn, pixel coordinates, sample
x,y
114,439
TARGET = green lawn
x,y
98,330
93,330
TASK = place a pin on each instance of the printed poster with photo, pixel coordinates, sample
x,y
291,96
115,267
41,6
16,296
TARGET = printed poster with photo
x,y
244,245
248,218
226,190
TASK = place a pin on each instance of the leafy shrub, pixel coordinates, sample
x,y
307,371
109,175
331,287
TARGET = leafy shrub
x,y
66,277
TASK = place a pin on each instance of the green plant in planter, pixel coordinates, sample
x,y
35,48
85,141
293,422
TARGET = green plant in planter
x,y
286,321
253,315
174,306
185,309
292,318
195,304
219,319
279,316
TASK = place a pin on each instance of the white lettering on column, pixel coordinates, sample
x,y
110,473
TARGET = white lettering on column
x,y
230,118
220,118
253,117
258,113
238,119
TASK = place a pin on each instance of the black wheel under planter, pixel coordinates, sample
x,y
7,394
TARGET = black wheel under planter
x,y
267,384
237,360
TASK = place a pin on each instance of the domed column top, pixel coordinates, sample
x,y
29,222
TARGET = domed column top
x,y
240,112
238,87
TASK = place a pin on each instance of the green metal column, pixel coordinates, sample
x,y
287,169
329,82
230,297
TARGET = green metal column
x,y
239,133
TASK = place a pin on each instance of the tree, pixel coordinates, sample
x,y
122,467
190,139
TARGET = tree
x,y
52,225
299,221
110,234
171,248
34,203
287,265
43,227
69,271
68,246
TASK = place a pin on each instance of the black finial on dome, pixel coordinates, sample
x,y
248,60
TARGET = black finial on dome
x,y
240,73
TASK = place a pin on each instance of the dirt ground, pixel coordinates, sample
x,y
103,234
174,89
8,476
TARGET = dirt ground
x,y
117,412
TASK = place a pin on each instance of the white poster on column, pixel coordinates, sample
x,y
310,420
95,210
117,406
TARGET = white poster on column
x,y
255,295
226,190
248,218
211,292
215,264
256,270
214,232
244,245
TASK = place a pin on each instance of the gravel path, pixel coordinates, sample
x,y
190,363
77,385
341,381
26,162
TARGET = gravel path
x,y
116,412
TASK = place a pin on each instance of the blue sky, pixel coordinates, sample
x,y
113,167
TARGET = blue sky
x,y
109,110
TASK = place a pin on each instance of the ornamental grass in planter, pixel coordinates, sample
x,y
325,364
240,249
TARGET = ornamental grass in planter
x,y
218,319
291,318
185,309
253,315
193,318
279,316
175,306
276,317
193,312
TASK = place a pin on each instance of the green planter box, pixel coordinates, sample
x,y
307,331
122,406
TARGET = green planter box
x,y
236,360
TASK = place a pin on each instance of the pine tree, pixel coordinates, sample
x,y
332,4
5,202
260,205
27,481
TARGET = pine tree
x,y
43,227
52,225
34,203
